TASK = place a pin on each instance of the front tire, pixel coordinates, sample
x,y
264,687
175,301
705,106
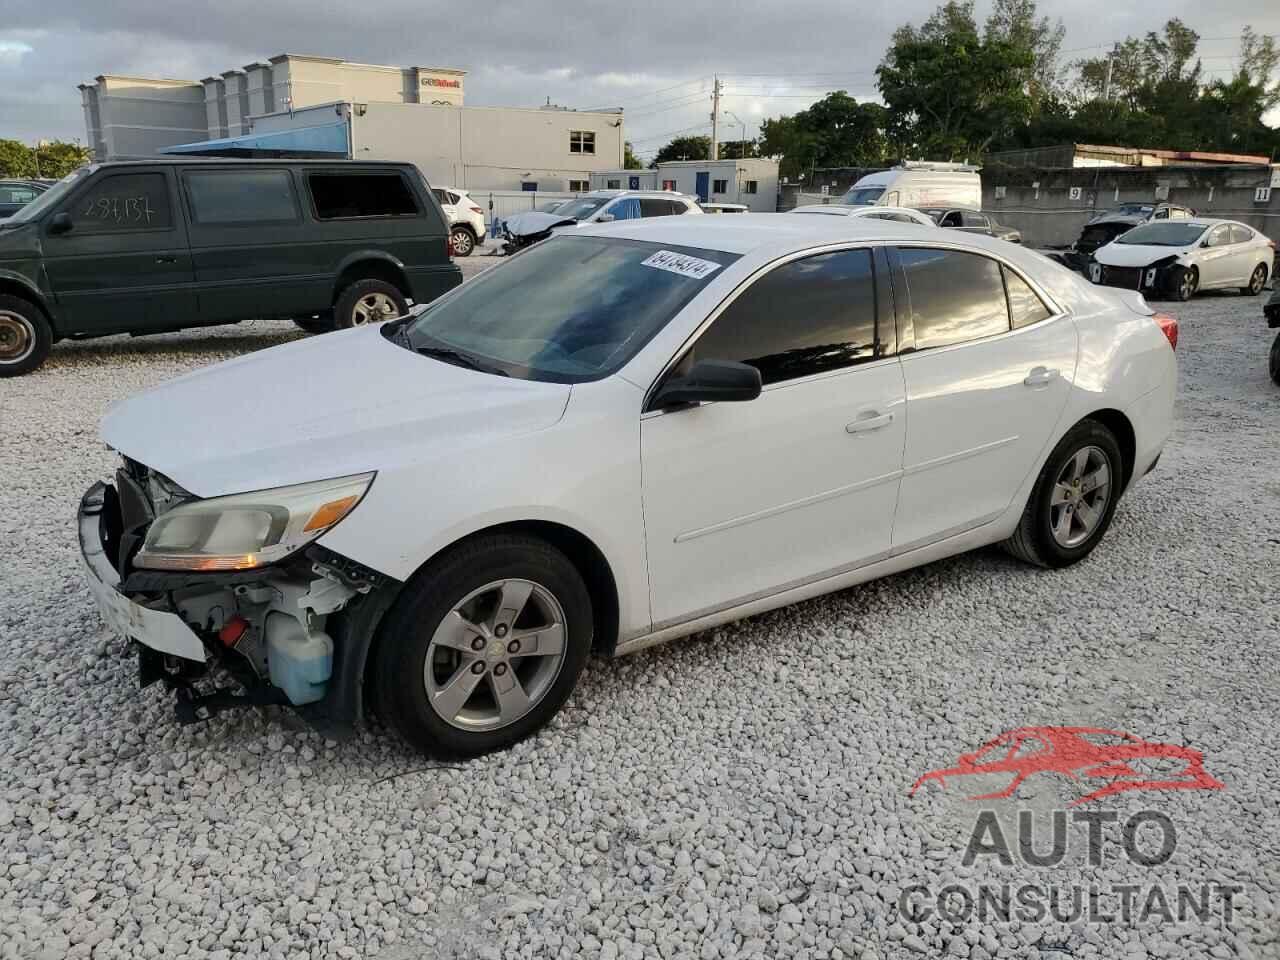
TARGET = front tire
x,y
483,647
1073,500
1275,360
1186,281
1257,281
463,241
368,301
25,336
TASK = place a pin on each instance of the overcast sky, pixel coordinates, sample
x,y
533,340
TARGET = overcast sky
x,y
654,59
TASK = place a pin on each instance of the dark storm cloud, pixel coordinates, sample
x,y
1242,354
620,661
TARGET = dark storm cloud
x,y
579,55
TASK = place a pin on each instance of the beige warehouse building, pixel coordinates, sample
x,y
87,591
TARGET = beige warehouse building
x,y
324,107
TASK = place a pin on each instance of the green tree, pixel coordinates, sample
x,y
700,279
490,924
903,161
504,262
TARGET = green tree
x,y
836,131
54,158
629,160
950,92
1016,22
16,159
684,148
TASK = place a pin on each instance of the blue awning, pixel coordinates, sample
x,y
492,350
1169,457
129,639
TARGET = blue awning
x,y
329,139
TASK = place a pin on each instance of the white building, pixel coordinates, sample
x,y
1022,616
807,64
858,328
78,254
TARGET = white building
x,y
751,182
326,107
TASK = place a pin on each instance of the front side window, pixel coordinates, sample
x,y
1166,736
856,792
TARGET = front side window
x,y
804,317
340,196
972,219
955,296
719,186
53,195
16,193
582,141
242,196
1025,308
628,208
951,219
567,310
123,202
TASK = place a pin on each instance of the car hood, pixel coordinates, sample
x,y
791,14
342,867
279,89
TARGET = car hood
x,y
534,221
328,406
1133,219
1134,254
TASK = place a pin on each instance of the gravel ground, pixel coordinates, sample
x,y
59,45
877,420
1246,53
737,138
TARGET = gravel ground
x,y
742,793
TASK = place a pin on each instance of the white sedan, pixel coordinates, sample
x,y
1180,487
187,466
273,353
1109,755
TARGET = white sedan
x,y
1177,258
626,434
896,214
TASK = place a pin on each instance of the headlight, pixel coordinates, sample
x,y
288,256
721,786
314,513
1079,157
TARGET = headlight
x,y
248,530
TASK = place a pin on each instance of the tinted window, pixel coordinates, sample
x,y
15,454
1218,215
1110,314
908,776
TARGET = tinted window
x,y
973,219
1024,306
951,219
628,208
440,195
954,296
16,193
1240,234
860,196
242,196
569,308
134,201
656,207
342,195
805,317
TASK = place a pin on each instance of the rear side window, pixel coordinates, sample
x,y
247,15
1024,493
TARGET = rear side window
x,y
1025,308
805,317
1240,234
242,196
973,219
121,203
338,196
954,296
658,207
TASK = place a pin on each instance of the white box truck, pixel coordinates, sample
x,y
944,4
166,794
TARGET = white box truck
x,y
919,184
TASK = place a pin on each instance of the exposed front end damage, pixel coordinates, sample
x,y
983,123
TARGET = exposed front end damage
x,y
1160,278
224,638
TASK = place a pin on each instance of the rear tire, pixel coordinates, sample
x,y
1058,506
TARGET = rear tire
x,y
453,675
1257,281
368,301
25,336
1073,500
463,241
1275,360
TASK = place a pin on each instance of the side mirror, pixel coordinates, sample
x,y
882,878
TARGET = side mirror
x,y
1205,243
606,218
709,380
60,223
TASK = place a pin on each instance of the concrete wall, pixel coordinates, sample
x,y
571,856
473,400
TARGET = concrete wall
x,y
1049,217
306,81
490,148
132,117
618,179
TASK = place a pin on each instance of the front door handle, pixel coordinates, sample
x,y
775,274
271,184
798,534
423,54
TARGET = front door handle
x,y
166,259
869,420
1040,377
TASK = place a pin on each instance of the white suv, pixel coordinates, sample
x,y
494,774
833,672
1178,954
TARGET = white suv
x,y
466,219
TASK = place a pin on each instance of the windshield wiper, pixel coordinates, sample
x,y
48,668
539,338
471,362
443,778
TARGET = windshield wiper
x,y
459,359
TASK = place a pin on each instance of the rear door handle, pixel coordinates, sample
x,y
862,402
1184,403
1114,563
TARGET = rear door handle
x,y
1040,377
166,259
869,420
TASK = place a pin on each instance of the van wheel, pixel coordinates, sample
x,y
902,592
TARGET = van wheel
x,y
368,301
321,323
463,241
483,646
25,336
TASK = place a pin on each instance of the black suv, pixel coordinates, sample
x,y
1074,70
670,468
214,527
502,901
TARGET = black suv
x,y
154,246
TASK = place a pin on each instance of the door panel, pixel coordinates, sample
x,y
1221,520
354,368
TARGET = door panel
x,y
1215,261
744,499
979,416
124,265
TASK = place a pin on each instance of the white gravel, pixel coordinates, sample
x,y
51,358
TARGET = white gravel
x,y
743,793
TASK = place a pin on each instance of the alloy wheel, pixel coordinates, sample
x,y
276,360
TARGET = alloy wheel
x,y
17,337
1258,280
496,655
1187,285
462,242
1080,495
373,308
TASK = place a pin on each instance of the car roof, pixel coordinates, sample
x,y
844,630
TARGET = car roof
x,y
248,162
637,193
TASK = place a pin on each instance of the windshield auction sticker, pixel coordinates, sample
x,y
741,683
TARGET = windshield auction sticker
x,y
682,264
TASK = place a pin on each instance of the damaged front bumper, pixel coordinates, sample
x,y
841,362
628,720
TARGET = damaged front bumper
x,y
1157,278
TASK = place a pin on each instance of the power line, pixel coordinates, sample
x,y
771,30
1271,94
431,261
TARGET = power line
x,y
654,93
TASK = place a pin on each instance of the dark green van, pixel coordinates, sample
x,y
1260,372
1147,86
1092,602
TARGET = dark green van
x,y
154,246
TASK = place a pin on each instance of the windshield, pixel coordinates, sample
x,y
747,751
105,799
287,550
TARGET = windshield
x,y
50,197
1133,208
1164,234
567,310
551,207
581,209
862,196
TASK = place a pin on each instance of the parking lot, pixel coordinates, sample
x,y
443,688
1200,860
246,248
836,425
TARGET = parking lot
x,y
741,793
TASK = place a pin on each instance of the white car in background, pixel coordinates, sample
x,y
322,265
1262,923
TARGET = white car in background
x,y
599,206
896,214
1176,258
628,433
466,219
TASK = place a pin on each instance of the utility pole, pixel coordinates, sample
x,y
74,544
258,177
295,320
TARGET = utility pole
x,y
1106,86
715,118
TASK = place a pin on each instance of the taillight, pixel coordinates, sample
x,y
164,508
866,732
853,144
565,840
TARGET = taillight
x,y
477,210
1169,327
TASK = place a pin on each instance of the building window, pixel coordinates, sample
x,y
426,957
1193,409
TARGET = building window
x,y
719,186
529,186
668,185
582,141
749,186
613,184
579,186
